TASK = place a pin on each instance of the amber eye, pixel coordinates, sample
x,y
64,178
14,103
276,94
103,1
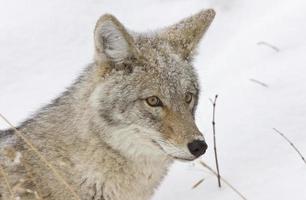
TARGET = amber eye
x,y
188,97
154,101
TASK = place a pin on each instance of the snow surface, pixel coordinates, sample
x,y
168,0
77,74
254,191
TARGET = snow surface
x,y
44,45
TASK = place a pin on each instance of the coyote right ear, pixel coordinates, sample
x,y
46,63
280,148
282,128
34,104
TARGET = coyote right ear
x,y
185,35
112,41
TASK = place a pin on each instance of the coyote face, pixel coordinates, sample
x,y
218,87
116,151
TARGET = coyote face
x,y
146,102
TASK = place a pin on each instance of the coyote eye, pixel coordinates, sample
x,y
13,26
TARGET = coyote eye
x,y
188,97
154,101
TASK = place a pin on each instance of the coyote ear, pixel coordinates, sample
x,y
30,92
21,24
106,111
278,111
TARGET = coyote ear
x,y
185,35
112,41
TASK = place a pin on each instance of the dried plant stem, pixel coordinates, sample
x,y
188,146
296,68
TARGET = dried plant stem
x,y
225,181
47,163
215,142
259,82
268,45
5,177
197,183
291,144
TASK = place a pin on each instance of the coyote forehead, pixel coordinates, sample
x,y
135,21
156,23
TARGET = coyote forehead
x,y
173,71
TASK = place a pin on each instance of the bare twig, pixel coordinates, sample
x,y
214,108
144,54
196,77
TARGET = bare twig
x,y
259,82
197,183
5,177
215,142
45,161
291,144
224,180
268,45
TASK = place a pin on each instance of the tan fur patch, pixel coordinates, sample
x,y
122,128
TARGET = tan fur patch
x,y
10,153
172,127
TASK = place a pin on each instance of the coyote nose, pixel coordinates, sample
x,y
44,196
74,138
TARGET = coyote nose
x,y
197,147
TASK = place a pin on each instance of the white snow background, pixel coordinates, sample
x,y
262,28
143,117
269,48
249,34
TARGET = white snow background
x,y
44,45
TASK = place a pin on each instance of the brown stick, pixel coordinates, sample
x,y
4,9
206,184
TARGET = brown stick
x,y
215,142
224,180
291,144
45,161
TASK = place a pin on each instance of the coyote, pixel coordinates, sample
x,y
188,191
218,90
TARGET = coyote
x,y
113,134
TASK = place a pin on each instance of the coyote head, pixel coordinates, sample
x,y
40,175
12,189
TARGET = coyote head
x,y
145,103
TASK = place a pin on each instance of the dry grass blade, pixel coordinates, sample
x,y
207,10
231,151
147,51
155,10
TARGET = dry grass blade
x,y
291,144
268,45
5,177
225,181
197,183
259,82
47,163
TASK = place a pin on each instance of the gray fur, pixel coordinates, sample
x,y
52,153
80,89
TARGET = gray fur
x,y
101,135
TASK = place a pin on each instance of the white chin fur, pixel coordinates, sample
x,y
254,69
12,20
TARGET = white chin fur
x,y
180,153
134,141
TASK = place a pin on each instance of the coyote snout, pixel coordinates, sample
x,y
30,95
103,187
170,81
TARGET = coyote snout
x,y
182,139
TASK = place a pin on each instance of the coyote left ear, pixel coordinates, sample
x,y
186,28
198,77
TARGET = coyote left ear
x,y
185,35
112,41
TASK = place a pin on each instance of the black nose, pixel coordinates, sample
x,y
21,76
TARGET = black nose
x,y
197,147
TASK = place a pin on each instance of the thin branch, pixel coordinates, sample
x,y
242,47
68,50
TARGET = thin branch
x,y
259,82
291,144
215,142
5,177
224,180
197,183
47,163
268,45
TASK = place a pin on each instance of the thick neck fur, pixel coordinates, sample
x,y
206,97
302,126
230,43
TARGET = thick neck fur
x,y
65,133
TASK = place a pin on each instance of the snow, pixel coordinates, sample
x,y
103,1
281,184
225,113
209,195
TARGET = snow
x,y
44,45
